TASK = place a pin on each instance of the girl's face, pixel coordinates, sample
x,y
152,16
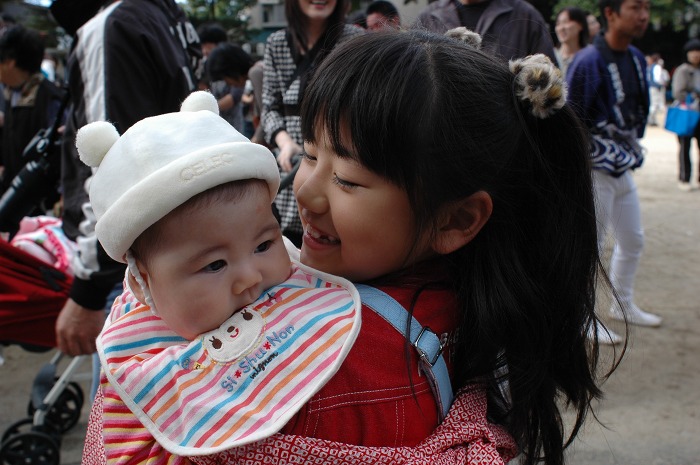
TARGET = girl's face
x,y
356,224
566,29
317,10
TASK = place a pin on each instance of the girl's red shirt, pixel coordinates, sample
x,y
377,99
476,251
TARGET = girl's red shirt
x,y
379,397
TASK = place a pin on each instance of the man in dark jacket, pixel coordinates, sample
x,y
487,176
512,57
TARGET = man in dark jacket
x,y
32,101
132,60
508,28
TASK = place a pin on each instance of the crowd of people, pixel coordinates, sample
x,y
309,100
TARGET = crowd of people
x,y
406,175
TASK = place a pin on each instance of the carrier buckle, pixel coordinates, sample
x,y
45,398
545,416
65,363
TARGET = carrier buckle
x,y
421,348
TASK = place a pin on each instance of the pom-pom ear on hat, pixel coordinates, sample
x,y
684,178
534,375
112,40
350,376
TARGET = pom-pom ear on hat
x,y
94,140
200,100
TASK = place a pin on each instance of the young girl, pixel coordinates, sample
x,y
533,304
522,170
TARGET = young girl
x,y
461,188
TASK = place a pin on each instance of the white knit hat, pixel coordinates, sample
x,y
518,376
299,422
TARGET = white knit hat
x,y
161,162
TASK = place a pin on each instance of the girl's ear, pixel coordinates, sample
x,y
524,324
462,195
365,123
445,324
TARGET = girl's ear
x,y
461,221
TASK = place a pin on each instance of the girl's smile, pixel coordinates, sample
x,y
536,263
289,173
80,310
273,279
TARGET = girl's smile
x,y
317,10
317,238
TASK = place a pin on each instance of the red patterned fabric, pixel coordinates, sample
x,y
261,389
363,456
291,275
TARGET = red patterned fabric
x,y
465,437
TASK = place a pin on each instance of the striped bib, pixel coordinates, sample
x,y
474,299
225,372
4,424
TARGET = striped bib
x,y
242,381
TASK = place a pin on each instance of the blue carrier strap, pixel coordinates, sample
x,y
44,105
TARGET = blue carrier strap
x,y
426,342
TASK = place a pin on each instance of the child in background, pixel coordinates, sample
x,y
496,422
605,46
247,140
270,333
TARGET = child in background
x,y
233,338
459,186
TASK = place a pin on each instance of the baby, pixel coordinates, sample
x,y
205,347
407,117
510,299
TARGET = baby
x,y
231,336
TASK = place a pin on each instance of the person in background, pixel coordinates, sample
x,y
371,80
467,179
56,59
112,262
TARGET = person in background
x,y
133,59
255,76
608,89
291,55
6,22
249,113
382,14
228,91
32,101
508,28
357,18
210,35
657,78
227,66
686,83
49,67
593,26
571,29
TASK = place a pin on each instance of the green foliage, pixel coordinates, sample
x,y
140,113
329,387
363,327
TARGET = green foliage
x,y
232,15
588,5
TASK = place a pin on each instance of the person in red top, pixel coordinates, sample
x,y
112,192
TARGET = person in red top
x,y
435,173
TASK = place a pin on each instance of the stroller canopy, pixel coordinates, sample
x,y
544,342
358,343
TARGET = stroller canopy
x,y
32,294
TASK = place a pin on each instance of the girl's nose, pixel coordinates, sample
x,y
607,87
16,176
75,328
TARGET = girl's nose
x,y
309,192
246,277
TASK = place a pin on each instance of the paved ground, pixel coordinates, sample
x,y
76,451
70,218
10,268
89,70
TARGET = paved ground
x,y
651,411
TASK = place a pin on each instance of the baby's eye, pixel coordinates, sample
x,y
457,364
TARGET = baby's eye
x,y
263,247
214,266
343,183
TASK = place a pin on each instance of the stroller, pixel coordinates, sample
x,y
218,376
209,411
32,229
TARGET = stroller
x,y
32,294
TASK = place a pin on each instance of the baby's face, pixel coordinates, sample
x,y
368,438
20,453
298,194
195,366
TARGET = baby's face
x,y
213,260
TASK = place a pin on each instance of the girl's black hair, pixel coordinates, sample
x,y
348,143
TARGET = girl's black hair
x,y
581,17
614,5
440,120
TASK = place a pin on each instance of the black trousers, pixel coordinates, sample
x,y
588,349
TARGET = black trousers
x,y
684,164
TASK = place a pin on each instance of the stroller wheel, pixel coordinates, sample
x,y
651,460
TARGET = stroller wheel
x,y
26,425
75,387
65,412
30,448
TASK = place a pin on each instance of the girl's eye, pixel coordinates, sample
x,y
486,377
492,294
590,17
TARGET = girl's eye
x,y
263,247
307,157
342,183
214,266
